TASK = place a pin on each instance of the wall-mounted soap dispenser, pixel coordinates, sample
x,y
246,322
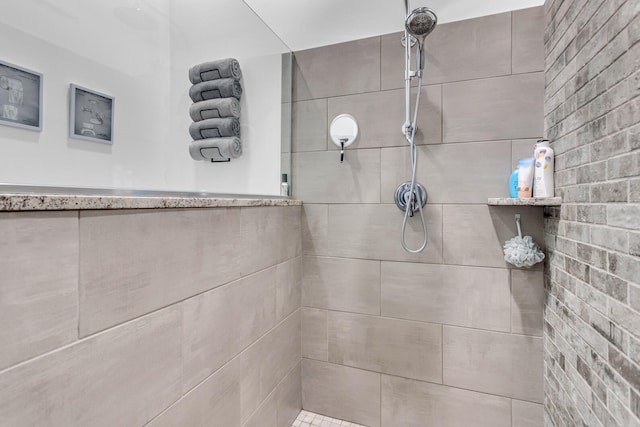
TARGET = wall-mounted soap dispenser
x,y
343,131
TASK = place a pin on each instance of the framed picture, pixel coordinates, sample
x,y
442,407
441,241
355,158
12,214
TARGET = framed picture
x,y
91,115
20,97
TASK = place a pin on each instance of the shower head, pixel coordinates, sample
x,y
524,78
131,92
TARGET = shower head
x,y
421,22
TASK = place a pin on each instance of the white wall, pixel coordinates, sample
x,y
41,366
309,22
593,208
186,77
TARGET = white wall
x,y
141,58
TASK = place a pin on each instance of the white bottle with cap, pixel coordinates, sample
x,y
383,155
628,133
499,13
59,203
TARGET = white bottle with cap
x,y
543,170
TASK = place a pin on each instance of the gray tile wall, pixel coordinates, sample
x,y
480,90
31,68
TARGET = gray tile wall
x,y
451,336
592,310
166,317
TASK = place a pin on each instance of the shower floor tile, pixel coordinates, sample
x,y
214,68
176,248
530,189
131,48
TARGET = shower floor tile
x,y
311,419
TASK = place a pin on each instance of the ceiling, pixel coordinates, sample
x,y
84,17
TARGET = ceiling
x,y
303,24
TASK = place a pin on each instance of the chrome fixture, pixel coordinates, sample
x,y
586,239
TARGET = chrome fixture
x,y
411,196
403,197
419,24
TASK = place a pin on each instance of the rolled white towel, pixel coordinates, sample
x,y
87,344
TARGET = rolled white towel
x,y
216,149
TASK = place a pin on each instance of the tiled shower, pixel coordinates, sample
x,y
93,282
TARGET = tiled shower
x,y
385,331
245,314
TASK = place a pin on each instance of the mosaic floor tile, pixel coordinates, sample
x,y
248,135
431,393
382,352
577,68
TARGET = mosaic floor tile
x,y
311,419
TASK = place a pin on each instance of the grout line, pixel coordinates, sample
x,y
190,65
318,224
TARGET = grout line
x,y
425,85
417,262
425,322
423,381
333,148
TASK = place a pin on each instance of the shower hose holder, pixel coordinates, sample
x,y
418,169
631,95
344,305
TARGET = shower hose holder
x,y
404,198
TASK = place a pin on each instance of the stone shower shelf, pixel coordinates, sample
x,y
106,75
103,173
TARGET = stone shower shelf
x,y
532,201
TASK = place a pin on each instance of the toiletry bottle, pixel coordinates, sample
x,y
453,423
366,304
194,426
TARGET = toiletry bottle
x,y
543,172
284,186
525,177
513,184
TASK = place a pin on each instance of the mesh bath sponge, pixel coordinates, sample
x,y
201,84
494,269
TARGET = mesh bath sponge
x,y
522,251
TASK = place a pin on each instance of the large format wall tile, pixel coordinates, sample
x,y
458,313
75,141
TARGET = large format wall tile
x,y
528,40
268,236
450,172
289,397
282,406
475,235
454,295
520,149
342,284
219,324
39,290
319,177
373,232
266,415
503,364
315,229
346,393
390,346
335,70
217,398
123,377
266,362
288,287
134,262
393,62
411,403
527,289
381,115
507,107
314,334
309,126
463,50
526,414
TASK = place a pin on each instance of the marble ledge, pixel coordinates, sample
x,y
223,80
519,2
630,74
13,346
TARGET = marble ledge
x,y
532,201
62,202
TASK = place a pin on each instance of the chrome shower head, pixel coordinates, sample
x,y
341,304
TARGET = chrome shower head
x,y
421,22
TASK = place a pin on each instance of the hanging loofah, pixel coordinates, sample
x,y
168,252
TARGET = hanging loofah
x,y
522,251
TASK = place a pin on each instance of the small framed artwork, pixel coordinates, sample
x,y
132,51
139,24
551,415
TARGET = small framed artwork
x,y
91,115
20,97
